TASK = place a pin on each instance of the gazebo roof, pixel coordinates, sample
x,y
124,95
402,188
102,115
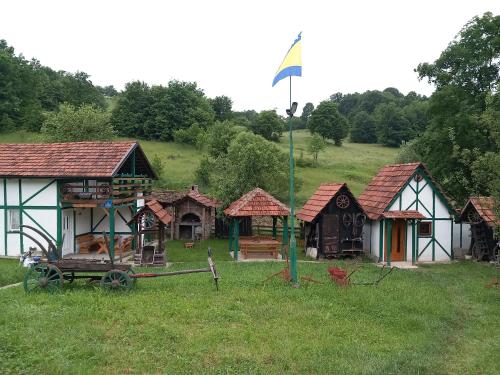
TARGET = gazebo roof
x,y
157,209
257,203
484,207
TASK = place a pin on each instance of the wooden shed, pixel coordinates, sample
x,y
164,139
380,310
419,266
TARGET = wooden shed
x,y
478,212
333,221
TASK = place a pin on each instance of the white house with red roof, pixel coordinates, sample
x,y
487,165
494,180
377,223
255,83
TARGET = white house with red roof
x,y
70,192
410,217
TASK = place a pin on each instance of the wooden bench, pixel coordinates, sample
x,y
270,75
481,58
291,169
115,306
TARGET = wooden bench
x,y
271,247
86,243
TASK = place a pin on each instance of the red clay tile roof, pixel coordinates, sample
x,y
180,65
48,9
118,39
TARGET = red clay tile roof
x,y
321,197
159,211
484,207
172,196
257,203
386,184
410,214
203,199
72,159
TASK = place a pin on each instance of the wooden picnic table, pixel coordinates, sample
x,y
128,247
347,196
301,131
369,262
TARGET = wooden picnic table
x,y
260,245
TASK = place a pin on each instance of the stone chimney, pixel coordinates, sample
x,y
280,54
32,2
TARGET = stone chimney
x,y
194,188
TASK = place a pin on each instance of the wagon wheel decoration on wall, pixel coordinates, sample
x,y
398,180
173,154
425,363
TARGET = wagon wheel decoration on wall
x,y
473,217
343,201
104,190
347,220
148,220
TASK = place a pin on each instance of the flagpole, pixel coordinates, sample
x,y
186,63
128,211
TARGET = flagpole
x,y
292,242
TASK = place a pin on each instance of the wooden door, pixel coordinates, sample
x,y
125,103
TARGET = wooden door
x,y
330,234
398,247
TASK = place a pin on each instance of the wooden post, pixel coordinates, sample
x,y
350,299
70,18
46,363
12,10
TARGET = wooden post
x,y
284,237
275,219
413,249
230,232
237,238
112,231
389,242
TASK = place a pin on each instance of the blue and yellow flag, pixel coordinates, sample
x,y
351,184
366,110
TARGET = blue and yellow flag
x,y
292,63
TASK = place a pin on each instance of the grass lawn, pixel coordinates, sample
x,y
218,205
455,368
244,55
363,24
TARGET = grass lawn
x,y
438,319
353,163
10,271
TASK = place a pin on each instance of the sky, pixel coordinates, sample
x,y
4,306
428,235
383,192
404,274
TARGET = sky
x,y
233,48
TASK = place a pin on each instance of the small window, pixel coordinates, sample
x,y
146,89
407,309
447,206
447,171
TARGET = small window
x,y
425,229
14,220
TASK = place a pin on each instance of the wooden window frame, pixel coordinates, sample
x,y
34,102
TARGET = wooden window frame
x,y
427,224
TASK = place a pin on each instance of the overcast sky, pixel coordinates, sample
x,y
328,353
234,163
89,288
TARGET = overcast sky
x,y
234,47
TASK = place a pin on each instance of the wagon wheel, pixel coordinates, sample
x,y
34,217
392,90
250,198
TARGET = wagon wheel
x,y
132,272
66,189
343,201
148,220
104,190
116,280
360,220
347,220
474,218
43,277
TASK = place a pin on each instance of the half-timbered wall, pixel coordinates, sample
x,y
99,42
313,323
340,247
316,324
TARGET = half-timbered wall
x,y
446,236
35,200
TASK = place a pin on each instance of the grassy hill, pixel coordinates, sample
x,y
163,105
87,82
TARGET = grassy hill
x,y
353,163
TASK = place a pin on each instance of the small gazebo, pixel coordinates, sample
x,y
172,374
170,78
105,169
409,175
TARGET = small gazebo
x,y
256,203
149,225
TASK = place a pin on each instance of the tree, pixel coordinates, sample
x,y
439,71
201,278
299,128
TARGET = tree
x,y
72,124
108,91
157,112
315,146
363,128
222,106
268,125
326,121
251,161
471,61
392,126
131,110
460,139
306,113
219,137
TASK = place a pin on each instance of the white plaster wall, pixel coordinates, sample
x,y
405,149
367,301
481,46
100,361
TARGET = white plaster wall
x,y
409,242
466,236
47,197
82,223
12,192
47,219
375,238
120,225
2,198
443,235
366,237
2,233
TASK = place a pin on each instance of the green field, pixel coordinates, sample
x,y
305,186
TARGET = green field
x,y
353,163
438,319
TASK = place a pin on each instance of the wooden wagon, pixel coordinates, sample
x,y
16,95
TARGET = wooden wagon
x,y
51,274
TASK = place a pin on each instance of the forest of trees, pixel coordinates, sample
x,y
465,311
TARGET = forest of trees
x,y
28,89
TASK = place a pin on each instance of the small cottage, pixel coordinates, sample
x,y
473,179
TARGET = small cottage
x,y
193,213
410,217
333,222
479,213
73,192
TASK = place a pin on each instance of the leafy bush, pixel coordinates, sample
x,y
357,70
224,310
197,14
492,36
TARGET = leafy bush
x,y
72,124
